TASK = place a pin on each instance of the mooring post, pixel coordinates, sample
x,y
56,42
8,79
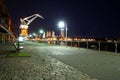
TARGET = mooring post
x,y
78,44
115,47
99,45
87,44
71,43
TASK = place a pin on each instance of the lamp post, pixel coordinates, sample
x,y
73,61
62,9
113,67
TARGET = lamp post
x,y
34,37
41,32
63,25
34,34
66,32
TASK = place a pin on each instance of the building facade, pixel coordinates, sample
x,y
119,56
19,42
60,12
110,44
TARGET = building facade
x,y
6,33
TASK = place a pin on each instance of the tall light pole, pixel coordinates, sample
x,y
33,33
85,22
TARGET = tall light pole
x,y
63,25
41,32
66,33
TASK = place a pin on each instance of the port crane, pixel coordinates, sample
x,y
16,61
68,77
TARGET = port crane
x,y
25,22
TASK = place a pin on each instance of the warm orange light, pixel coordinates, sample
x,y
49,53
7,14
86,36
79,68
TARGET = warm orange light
x,y
24,32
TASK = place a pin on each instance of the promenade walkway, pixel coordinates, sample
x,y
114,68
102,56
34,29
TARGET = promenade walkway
x,y
40,66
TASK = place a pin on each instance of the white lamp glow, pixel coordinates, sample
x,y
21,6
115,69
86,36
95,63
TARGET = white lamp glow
x,y
61,24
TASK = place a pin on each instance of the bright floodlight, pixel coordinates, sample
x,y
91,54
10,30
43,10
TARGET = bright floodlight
x,y
20,39
61,24
41,31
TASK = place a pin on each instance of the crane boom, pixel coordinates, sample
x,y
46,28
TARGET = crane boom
x,y
28,20
33,16
25,23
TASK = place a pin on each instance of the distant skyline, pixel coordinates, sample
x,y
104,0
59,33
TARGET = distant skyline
x,y
85,18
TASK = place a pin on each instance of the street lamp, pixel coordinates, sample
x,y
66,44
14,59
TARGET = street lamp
x,y
63,25
34,34
41,32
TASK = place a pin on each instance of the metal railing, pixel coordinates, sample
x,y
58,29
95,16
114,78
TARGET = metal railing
x,y
95,45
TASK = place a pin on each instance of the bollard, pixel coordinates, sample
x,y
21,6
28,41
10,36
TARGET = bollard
x,y
115,47
87,44
99,46
78,44
71,43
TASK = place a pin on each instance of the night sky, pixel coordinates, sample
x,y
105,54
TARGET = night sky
x,y
85,18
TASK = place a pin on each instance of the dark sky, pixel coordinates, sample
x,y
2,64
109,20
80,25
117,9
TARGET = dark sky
x,y
85,18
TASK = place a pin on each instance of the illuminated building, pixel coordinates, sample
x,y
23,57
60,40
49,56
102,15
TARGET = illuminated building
x,y
49,34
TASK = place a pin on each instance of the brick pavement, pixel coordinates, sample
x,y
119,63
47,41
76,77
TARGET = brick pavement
x,y
36,67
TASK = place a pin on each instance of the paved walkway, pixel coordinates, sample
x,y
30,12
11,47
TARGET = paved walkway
x,y
102,65
37,67
5,48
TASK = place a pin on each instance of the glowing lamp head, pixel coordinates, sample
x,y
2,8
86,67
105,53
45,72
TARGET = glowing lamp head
x,y
61,24
41,31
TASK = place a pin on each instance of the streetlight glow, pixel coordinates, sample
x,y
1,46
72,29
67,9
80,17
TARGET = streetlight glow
x,y
34,34
61,24
41,31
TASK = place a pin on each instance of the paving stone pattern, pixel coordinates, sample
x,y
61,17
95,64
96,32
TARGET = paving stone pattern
x,y
36,67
